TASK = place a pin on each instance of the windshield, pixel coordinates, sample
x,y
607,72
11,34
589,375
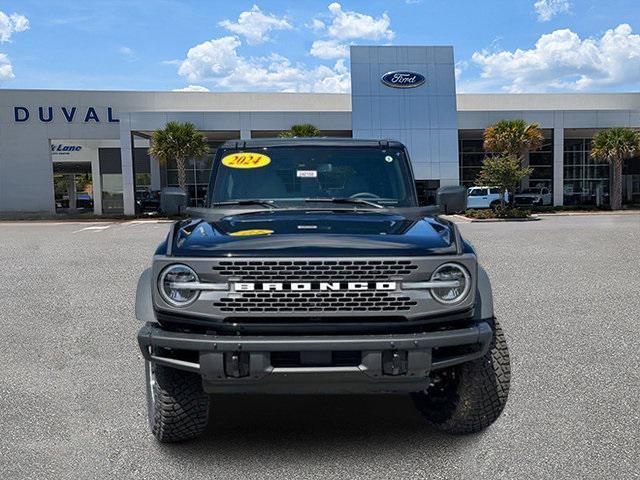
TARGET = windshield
x,y
291,174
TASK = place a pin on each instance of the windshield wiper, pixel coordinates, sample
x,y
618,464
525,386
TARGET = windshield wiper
x,y
249,201
356,201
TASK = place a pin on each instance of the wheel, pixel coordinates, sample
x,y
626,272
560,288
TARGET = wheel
x,y
495,204
469,397
178,407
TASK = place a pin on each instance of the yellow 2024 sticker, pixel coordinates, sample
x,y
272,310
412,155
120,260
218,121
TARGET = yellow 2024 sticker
x,y
256,231
246,160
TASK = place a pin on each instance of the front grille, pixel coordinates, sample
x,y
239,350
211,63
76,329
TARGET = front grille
x,y
316,301
524,201
314,270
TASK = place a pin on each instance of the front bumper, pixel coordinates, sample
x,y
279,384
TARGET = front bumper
x,y
216,359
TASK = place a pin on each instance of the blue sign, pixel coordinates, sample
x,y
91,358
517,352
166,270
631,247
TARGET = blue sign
x,y
68,114
62,149
403,79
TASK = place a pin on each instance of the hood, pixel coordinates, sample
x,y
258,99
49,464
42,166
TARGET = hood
x,y
307,233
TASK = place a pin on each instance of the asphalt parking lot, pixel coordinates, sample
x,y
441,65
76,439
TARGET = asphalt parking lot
x,y
567,291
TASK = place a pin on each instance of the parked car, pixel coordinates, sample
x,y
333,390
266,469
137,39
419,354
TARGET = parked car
x,y
533,196
484,197
336,283
148,201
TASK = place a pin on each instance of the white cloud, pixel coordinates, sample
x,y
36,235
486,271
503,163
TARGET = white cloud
x,y
329,49
192,88
218,61
10,24
6,70
127,52
561,60
316,25
211,59
254,25
352,25
547,9
460,66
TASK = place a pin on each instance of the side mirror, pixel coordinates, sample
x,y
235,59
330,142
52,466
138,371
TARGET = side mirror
x,y
452,199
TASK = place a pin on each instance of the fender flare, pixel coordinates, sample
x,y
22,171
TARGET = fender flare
x,y
484,296
144,300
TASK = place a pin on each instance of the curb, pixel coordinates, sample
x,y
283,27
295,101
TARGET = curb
x,y
576,214
495,220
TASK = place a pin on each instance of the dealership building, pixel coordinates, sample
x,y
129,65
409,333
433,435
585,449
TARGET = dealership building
x,y
68,151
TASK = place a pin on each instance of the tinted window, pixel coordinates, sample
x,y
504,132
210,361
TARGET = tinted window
x,y
295,173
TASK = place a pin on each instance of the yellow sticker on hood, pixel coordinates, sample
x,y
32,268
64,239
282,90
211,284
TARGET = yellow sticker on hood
x,y
256,231
246,160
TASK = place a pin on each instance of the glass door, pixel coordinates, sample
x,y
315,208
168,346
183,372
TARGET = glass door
x,y
73,187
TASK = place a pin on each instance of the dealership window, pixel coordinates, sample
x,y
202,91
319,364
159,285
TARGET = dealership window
x,y
111,180
586,180
73,187
541,161
472,154
198,172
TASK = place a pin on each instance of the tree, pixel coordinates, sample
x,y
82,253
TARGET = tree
x,y
513,137
302,130
504,172
614,146
178,141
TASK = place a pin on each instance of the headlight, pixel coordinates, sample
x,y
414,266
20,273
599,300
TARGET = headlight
x,y
459,281
171,285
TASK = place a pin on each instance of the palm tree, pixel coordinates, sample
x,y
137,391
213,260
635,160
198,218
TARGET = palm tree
x,y
513,137
178,141
302,130
614,146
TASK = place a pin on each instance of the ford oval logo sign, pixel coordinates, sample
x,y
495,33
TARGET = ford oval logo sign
x,y
402,79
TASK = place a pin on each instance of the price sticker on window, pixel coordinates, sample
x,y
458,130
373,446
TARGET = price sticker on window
x,y
246,160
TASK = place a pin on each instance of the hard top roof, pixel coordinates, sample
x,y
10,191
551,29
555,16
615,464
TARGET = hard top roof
x,y
310,141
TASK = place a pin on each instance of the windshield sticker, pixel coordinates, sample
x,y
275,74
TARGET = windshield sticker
x,y
246,160
243,233
389,158
306,173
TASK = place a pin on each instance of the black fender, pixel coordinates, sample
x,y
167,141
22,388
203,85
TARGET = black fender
x,y
484,296
144,300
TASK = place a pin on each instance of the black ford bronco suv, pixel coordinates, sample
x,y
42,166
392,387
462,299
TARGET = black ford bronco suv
x,y
312,269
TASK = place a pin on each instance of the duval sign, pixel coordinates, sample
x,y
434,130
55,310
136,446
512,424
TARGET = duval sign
x,y
67,114
403,79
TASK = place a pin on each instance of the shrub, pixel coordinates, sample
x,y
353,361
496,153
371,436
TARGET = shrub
x,y
500,212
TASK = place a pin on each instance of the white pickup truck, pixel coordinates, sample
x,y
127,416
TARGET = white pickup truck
x,y
484,197
533,196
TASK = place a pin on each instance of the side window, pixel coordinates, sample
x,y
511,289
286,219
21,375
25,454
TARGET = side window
x,y
494,191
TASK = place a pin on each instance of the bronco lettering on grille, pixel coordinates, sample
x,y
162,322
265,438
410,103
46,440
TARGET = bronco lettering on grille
x,y
308,286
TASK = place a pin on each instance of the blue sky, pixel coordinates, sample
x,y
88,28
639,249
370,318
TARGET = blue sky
x,y
287,45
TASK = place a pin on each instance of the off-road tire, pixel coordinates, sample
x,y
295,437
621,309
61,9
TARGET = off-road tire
x,y
469,397
178,407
